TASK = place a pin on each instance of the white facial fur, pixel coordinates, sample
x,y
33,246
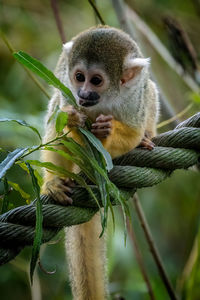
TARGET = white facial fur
x,y
118,103
86,83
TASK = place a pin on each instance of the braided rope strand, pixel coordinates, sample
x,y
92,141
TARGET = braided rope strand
x,y
175,149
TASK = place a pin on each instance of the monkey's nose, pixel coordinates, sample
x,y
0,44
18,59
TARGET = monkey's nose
x,y
88,95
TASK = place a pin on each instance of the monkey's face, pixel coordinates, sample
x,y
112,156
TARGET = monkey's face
x,y
89,84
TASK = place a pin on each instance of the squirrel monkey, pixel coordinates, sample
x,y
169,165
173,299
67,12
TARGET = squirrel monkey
x,y
109,78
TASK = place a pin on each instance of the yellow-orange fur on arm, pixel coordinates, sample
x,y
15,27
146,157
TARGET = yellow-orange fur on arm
x,y
122,139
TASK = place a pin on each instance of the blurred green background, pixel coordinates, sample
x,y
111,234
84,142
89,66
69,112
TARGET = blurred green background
x,y
172,207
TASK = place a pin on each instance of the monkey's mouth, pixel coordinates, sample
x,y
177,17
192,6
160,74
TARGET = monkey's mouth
x,y
87,103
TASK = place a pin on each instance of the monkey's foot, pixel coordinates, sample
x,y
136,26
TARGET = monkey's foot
x,y
146,142
75,118
61,189
102,127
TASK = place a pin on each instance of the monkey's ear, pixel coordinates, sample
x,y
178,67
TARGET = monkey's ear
x,y
67,47
132,69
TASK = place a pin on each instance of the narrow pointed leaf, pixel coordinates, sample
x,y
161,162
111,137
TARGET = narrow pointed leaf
x,y
5,197
38,68
10,159
17,188
23,123
50,166
83,166
61,121
23,165
38,226
63,172
98,145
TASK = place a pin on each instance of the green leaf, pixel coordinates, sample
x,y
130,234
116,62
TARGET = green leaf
x,y
50,166
8,162
91,156
74,158
17,188
61,121
63,172
98,145
53,115
22,165
23,123
87,157
66,155
5,198
38,226
38,68
39,178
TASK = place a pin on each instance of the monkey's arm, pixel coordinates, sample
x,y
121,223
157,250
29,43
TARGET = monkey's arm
x,y
122,139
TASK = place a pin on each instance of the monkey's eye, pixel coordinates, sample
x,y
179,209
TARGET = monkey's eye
x,y
80,77
96,80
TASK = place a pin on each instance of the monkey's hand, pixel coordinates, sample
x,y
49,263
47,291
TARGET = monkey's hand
x,y
75,118
102,126
60,189
146,141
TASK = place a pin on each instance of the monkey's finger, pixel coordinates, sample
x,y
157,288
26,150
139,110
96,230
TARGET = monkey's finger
x,y
103,118
102,125
147,144
68,182
101,133
65,188
69,109
64,199
60,197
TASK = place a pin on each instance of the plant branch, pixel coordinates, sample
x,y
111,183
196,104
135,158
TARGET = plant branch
x,y
43,145
190,263
54,5
161,49
125,24
96,11
140,260
180,114
153,248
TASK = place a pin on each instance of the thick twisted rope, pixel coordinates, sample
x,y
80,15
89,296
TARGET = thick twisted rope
x,y
175,149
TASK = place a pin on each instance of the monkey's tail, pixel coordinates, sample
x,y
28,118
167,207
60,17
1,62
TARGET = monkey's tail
x,y
86,259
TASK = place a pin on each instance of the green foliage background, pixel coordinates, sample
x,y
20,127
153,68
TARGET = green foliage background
x,y
172,207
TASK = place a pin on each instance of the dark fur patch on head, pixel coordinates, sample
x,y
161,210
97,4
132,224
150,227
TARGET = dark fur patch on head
x,y
103,45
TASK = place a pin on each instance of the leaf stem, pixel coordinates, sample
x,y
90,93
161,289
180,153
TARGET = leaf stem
x,y
54,6
96,12
139,259
45,144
